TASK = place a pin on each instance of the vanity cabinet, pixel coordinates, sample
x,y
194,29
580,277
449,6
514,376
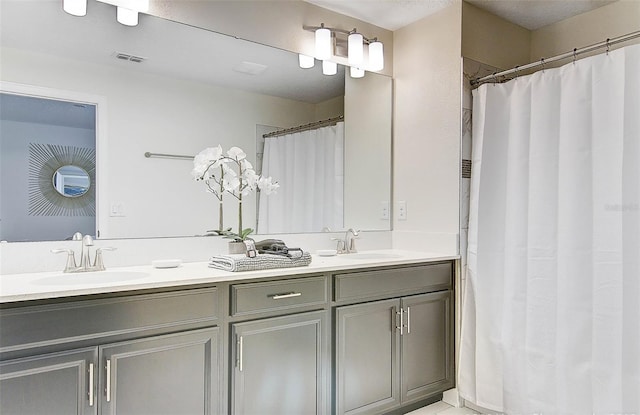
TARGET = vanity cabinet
x,y
174,374
374,340
136,354
278,366
58,383
394,352
278,363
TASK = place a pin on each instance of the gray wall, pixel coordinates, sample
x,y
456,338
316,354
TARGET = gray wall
x,y
15,222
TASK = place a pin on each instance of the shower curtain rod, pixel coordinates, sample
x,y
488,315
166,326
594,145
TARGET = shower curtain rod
x,y
305,127
573,54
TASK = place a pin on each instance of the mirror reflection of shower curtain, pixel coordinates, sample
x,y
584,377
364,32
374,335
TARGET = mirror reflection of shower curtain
x,y
309,166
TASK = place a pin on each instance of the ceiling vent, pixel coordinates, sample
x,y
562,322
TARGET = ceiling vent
x,y
131,58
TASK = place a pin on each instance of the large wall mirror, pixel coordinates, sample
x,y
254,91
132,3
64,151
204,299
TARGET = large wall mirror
x,y
169,88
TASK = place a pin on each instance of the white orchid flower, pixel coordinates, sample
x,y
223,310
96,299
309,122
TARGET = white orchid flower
x,y
236,153
230,183
266,185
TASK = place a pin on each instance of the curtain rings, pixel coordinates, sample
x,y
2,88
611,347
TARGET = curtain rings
x,y
608,46
516,70
575,55
495,79
542,63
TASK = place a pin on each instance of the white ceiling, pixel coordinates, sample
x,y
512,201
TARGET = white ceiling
x,y
172,49
394,14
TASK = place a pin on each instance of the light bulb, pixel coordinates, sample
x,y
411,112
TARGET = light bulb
x,y
356,72
376,56
356,49
75,7
127,17
329,68
306,61
323,43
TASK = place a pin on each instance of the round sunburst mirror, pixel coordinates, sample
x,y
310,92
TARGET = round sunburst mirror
x,y
61,180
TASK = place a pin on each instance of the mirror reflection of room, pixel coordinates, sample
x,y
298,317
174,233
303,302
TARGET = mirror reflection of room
x,y
166,87
47,168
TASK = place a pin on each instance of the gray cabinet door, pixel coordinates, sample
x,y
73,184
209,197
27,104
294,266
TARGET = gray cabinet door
x,y
49,384
279,366
427,361
172,374
367,357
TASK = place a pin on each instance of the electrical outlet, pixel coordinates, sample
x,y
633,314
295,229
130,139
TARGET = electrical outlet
x,y
384,210
117,210
402,210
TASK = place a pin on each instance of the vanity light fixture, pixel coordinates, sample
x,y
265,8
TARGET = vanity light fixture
x,y
356,72
349,44
329,68
127,17
323,42
355,48
376,55
75,7
306,61
127,10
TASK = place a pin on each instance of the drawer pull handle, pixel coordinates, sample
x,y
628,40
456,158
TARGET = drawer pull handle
x,y
90,384
287,295
108,391
408,320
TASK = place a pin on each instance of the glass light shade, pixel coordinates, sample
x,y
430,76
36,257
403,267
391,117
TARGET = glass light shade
x,y
323,43
329,68
127,17
356,72
75,7
306,61
376,56
356,49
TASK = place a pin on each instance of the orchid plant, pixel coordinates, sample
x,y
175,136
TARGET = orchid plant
x,y
233,174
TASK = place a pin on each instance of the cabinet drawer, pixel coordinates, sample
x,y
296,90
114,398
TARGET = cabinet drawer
x,y
43,325
259,297
393,282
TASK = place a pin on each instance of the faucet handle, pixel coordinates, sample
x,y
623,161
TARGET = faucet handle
x,y
98,264
71,258
341,245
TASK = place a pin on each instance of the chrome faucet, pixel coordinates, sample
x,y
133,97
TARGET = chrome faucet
x,y
85,260
350,241
85,256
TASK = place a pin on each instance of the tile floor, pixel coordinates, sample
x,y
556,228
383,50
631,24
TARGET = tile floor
x,y
441,408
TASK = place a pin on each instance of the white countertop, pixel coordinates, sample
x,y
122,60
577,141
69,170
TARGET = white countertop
x,y
45,285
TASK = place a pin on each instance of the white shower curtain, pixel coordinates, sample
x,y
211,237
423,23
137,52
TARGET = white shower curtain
x,y
309,166
551,315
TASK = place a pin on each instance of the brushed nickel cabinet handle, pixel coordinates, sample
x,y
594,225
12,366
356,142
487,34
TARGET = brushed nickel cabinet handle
x,y
287,295
108,390
240,353
401,327
90,384
408,320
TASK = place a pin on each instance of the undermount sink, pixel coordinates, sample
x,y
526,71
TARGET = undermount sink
x,y
370,255
98,277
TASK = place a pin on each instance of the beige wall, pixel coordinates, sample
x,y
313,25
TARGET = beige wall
x,y
427,70
489,39
610,21
271,22
367,152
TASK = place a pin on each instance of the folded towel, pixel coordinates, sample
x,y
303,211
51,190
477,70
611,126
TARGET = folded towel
x,y
241,262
